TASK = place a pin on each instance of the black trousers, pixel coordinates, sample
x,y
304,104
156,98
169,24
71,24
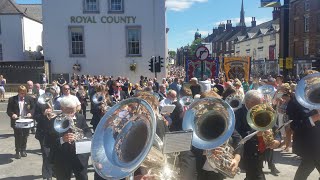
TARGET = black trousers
x,y
253,168
20,138
187,164
63,167
46,165
306,166
209,175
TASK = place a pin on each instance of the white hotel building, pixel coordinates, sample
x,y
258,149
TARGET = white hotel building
x,y
104,36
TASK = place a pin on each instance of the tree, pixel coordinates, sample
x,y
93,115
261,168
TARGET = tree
x,y
195,44
172,54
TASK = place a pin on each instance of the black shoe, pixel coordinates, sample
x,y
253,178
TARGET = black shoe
x,y
17,156
23,154
274,171
33,131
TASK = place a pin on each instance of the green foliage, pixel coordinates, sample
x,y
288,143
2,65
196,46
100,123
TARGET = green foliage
x,y
172,54
195,44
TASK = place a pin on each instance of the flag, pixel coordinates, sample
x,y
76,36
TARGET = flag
x,y
270,3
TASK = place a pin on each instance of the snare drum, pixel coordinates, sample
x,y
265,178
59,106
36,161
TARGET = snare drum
x,y
24,123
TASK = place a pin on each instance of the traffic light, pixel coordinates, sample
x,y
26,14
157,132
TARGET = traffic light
x,y
159,64
151,65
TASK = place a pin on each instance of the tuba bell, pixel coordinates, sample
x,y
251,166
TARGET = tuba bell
x,y
308,91
98,98
235,101
268,92
262,117
213,122
186,101
125,139
47,98
64,123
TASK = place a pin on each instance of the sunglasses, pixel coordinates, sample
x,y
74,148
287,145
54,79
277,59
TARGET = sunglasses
x,y
118,86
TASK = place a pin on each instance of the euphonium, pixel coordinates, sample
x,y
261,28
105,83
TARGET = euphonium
x,y
262,117
125,139
212,121
268,92
308,91
235,101
47,98
64,123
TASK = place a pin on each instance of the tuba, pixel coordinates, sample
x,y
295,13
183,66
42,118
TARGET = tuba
x,y
125,139
98,98
308,91
185,101
64,123
262,117
235,101
268,92
213,122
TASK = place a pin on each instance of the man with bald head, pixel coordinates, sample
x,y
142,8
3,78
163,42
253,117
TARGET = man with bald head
x,y
254,149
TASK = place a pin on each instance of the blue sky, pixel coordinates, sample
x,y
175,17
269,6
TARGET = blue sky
x,y
184,17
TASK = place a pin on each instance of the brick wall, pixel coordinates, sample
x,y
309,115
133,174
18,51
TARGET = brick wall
x,y
297,34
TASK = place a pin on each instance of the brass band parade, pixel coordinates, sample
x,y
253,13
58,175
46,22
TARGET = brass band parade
x,y
119,89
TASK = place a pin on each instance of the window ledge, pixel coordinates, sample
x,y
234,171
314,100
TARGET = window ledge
x,y
77,55
115,12
91,12
134,55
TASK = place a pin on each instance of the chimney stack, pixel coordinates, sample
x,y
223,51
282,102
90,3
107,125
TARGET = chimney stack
x,y
253,22
229,25
221,27
276,13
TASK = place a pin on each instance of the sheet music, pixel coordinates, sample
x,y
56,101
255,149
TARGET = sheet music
x,y
177,142
83,147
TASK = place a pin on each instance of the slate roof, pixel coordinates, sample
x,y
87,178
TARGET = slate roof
x,y
32,11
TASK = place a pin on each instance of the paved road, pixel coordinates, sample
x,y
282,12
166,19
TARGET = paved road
x,y
29,168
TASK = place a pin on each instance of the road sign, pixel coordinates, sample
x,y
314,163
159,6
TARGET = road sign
x,y
202,53
289,62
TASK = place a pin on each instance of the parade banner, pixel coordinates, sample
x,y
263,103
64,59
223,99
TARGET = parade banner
x,y
194,69
270,3
237,67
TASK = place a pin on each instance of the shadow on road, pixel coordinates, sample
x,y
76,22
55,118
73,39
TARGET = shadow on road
x,y
5,136
29,177
286,158
6,158
34,151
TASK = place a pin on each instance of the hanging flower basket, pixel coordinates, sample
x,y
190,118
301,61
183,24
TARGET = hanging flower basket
x,y
77,67
133,67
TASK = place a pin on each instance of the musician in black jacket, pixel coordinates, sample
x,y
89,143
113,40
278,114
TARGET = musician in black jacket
x,y
205,171
306,137
43,127
62,146
254,149
20,106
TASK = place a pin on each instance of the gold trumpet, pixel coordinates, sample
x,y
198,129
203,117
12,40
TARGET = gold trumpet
x,y
262,117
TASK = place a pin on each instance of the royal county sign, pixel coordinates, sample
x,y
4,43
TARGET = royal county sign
x,y
103,19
